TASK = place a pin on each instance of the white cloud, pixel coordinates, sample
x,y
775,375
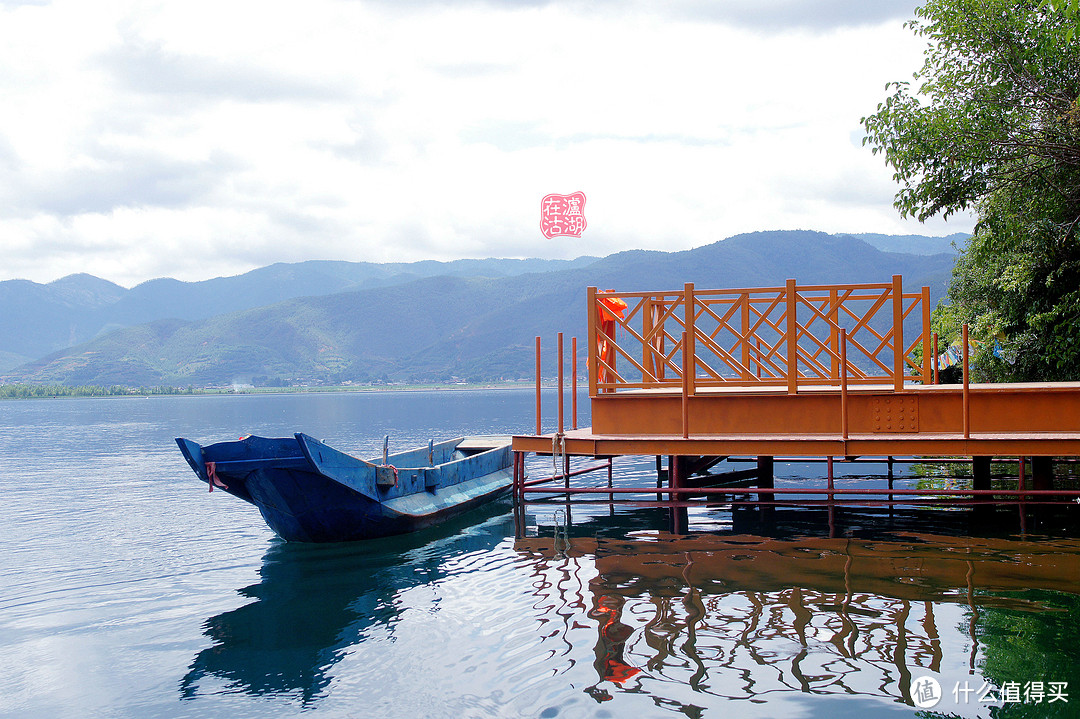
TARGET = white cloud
x,y
208,138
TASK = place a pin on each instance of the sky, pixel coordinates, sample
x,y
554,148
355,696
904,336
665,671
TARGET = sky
x,y
203,138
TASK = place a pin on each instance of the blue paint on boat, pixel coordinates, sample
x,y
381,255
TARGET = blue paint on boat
x,y
308,491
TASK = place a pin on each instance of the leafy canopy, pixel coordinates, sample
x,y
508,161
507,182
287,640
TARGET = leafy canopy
x,y
992,125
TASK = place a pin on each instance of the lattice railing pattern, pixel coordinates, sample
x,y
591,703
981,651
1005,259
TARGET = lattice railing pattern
x,y
788,336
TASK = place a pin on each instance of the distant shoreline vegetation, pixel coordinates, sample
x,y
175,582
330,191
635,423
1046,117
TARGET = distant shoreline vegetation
x,y
56,391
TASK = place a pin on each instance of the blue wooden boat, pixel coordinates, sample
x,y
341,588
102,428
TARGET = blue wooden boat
x,y
310,492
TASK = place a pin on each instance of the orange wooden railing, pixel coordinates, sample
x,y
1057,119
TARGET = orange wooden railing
x,y
786,336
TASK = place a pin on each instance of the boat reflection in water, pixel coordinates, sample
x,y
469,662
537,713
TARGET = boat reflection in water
x,y
314,602
695,620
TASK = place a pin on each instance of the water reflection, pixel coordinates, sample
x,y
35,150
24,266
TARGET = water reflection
x,y
313,602
692,620
620,614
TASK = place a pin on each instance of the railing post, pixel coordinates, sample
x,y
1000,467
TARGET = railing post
x,y
538,428
593,363
747,374
936,365
843,386
689,342
685,390
927,375
967,387
559,345
647,353
899,355
573,374
792,340
834,333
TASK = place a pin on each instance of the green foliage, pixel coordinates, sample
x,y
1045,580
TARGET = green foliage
x,y
993,126
33,391
1032,638
1069,9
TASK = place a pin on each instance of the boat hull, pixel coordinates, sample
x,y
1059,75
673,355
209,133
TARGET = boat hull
x,y
309,492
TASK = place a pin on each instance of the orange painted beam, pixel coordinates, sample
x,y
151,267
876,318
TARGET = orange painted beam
x,y
1005,420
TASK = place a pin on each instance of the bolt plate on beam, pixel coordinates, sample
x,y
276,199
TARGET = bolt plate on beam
x,y
895,414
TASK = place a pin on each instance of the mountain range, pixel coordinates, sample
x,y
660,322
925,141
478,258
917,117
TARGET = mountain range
x,y
328,321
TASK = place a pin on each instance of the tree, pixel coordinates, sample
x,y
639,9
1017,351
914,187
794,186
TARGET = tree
x,y
1069,9
993,126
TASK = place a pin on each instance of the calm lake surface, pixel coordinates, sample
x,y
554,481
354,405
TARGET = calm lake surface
x,y
128,590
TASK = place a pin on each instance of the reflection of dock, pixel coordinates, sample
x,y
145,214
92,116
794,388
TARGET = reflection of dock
x,y
826,616
820,371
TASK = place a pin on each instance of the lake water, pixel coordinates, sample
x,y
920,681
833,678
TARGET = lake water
x,y
128,590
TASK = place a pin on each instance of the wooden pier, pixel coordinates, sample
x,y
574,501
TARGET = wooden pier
x,y
825,371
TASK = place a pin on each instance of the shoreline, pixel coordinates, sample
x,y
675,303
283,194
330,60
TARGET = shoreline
x,y
26,392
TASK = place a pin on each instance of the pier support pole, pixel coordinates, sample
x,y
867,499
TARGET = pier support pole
x,y
679,519
1042,472
661,475
677,473
519,494
980,469
765,476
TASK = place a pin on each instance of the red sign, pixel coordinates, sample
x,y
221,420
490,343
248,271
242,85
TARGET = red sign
x,y
562,215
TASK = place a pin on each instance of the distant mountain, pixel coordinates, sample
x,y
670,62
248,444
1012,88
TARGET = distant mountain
x,y
438,327
37,319
916,244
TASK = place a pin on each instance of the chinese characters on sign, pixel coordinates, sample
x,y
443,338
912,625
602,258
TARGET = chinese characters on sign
x,y
563,215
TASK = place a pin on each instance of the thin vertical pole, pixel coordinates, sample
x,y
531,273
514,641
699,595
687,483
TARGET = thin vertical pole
x,y
648,359
538,432
659,475
573,374
898,333
830,474
521,476
670,473
792,340
937,367
967,389
593,362
891,481
689,340
519,494
514,483
611,497
1021,485
843,385
834,335
745,336
685,390
926,334
559,345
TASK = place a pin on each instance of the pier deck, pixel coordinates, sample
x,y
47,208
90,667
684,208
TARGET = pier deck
x,y
817,371
1031,419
